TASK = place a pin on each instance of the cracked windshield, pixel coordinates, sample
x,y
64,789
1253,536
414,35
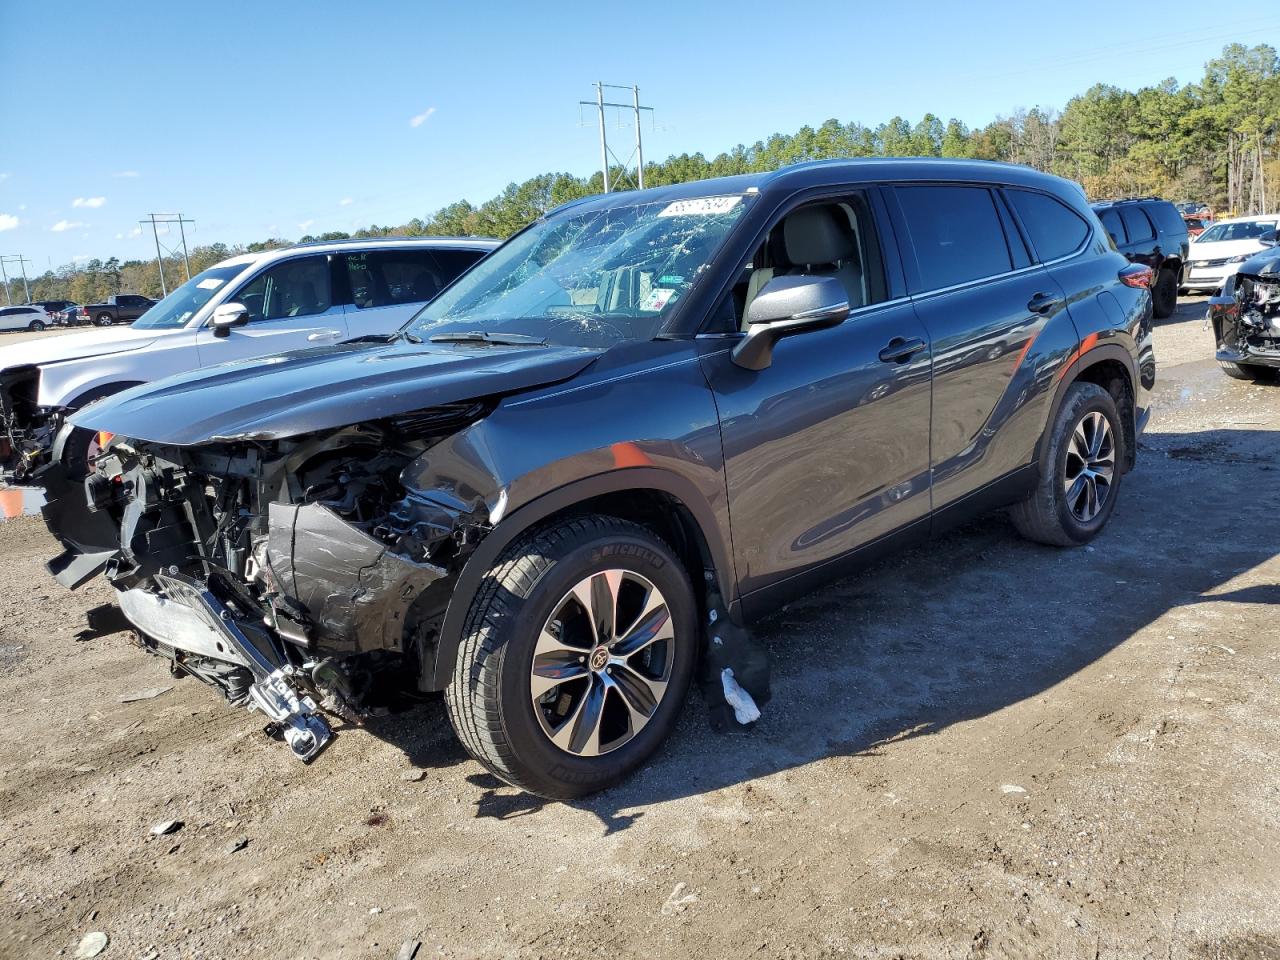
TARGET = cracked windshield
x,y
587,279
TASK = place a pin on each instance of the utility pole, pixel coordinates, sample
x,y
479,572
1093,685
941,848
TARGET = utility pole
x,y
604,142
605,153
22,262
155,219
164,288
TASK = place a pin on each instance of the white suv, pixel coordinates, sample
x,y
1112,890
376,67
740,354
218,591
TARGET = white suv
x,y
26,317
249,306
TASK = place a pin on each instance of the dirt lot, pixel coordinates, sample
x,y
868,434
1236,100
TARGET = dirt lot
x,y
982,748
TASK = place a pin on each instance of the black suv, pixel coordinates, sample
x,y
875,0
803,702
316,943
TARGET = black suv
x,y
644,407
1150,231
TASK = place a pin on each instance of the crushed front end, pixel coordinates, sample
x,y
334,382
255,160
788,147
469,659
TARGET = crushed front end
x,y
26,429
296,576
1246,314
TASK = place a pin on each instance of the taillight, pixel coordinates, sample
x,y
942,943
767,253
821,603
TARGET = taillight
x,y
1137,275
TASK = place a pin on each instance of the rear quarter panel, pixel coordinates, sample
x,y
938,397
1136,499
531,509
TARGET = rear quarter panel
x,y
1109,315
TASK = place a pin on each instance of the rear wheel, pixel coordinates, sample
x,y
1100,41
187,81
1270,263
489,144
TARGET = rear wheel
x,y
36,326
1080,477
1247,371
1164,295
103,320
576,657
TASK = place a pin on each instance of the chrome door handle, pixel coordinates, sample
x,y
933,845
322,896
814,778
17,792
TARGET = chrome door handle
x,y
324,335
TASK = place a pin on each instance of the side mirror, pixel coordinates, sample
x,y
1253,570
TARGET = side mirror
x,y
1270,239
226,316
787,306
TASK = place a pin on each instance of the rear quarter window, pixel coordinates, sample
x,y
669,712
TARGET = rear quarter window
x,y
1056,230
1167,218
1137,225
956,233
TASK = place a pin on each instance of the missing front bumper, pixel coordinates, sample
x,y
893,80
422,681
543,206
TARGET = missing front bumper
x,y
278,689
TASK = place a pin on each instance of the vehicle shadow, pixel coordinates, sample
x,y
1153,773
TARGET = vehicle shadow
x,y
956,629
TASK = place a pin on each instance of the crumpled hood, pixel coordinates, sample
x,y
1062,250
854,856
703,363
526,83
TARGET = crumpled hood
x,y
92,343
275,397
1265,264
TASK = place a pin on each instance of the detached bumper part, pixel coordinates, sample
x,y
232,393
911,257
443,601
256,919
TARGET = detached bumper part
x,y
275,690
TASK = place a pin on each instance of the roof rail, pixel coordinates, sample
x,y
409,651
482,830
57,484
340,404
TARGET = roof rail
x,y
390,239
1125,199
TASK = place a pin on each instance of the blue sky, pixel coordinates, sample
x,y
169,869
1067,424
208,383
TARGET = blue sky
x,y
288,117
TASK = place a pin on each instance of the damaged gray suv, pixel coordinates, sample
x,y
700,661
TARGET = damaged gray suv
x,y
643,406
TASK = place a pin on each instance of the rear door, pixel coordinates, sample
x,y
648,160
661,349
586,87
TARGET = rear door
x,y
292,306
1141,245
985,306
389,286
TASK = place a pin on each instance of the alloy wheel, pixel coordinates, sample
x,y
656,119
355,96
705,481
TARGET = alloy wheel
x,y
1090,466
602,663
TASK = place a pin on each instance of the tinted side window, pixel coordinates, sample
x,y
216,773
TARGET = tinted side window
x,y
1056,230
1167,218
295,288
956,233
390,277
1137,225
1111,221
455,262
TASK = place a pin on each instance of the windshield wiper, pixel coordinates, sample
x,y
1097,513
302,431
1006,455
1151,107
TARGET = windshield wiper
x,y
496,339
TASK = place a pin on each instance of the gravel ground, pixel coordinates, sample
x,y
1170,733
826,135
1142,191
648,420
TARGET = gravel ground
x,y
981,748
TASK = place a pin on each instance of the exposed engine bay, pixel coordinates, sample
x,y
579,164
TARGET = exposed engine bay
x,y
1246,317
290,574
26,429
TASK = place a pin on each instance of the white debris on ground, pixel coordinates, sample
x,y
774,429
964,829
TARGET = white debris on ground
x,y
744,708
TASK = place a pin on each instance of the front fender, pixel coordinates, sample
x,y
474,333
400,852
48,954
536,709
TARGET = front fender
x,y
541,453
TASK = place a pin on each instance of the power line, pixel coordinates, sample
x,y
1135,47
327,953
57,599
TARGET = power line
x,y
605,151
155,219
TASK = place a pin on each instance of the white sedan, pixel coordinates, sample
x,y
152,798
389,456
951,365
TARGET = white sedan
x,y
1218,252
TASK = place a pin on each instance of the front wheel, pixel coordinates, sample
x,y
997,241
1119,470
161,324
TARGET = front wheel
x,y
1246,371
104,320
1080,476
576,657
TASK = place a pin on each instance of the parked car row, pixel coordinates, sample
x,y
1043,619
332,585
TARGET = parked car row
x,y
247,306
39,314
644,412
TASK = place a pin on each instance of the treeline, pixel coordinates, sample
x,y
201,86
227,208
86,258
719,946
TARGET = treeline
x,y
1217,140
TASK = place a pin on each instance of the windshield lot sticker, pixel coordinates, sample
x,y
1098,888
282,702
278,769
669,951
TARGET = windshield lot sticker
x,y
209,283
657,298
701,207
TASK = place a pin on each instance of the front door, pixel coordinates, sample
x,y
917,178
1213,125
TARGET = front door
x,y
291,307
827,449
